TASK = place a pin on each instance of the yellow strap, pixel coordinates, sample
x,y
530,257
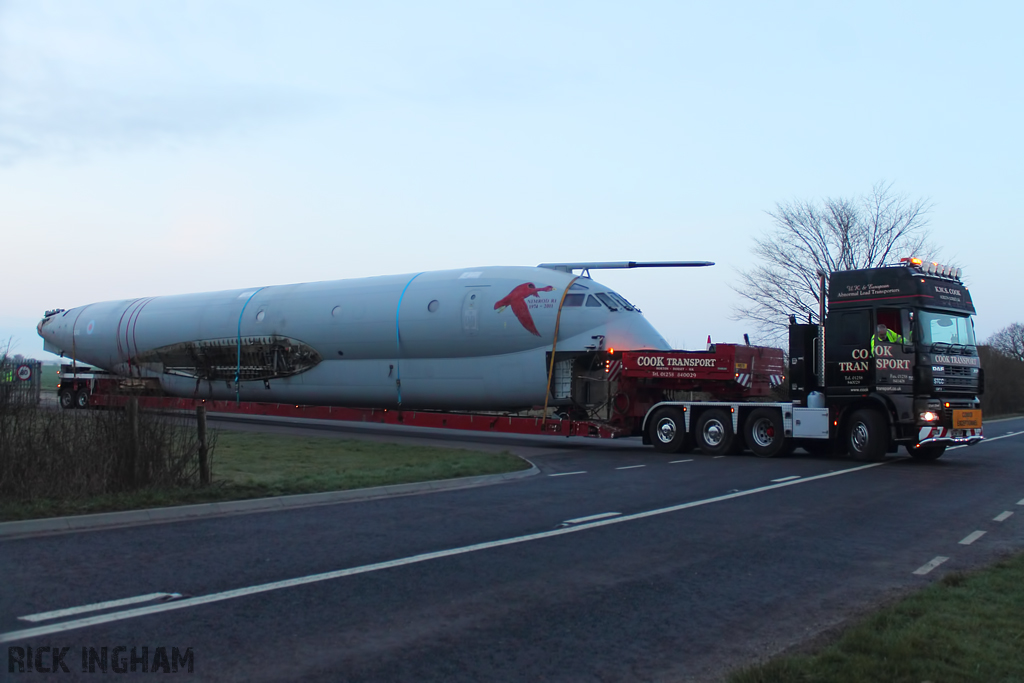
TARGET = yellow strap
x,y
554,345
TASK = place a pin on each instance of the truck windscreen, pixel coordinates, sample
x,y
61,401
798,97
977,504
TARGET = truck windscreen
x,y
946,328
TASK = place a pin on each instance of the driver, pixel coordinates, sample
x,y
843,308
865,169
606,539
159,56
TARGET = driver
x,y
884,336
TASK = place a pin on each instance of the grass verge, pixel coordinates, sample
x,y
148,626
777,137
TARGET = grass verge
x,y
248,465
966,627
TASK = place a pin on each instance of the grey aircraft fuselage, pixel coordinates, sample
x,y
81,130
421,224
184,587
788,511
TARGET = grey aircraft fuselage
x,y
475,338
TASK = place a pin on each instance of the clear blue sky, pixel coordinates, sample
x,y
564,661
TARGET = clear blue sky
x,y
157,148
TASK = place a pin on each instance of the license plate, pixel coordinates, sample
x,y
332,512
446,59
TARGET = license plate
x,y
966,419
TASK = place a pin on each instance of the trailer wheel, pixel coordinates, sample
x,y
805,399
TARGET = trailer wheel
x,y
926,453
667,431
764,432
66,399
867,437
714,433
82,398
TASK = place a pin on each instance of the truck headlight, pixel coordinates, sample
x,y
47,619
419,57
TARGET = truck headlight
x,y
928,416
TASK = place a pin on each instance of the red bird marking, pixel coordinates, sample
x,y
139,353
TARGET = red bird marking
x,y
517,300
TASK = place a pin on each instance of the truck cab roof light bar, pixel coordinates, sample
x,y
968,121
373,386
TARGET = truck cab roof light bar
x,y
610,265
932,268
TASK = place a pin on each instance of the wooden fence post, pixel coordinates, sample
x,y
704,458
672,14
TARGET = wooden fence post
x,y
204,456
135,467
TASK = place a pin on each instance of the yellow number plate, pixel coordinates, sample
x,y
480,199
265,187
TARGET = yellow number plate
x,y
966,419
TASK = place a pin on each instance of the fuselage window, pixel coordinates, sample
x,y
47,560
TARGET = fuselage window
x,y
574,299
592,302
607,301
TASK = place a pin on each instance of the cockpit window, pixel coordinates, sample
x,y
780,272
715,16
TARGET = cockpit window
x,y
577,285
574,300
622,301
607,300
592,302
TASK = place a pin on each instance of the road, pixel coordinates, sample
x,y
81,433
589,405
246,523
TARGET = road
x,y
614,564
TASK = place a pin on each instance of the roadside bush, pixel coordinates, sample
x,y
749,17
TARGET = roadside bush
x,y
1004,383
69,454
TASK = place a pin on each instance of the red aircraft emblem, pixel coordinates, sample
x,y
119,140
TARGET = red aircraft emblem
x,y
517,300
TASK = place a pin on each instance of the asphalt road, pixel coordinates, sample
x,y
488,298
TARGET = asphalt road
x,y
614,564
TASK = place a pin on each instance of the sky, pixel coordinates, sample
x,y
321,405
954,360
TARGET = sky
x,y
171,147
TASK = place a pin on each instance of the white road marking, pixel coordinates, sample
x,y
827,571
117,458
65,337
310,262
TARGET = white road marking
x,y
591,518
987,439
630,467
717,457
565,474
776,481
925,568
673,462
95,607
972,537
12,636
1020,502
1002,516
1004,436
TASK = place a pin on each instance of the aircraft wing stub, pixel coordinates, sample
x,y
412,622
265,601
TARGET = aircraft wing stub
x,y
610,265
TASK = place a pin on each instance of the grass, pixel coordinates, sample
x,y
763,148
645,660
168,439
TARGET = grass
x,y
50,379
966,627
248,465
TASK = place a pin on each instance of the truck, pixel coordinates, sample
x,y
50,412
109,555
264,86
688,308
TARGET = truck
x,y
892,361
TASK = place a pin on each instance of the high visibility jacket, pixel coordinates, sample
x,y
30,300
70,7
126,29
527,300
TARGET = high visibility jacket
x,y
890,337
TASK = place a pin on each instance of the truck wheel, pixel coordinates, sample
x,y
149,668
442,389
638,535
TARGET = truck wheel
x,y
667,430
764,433
926,453
867,436
82,398
66,399
714,433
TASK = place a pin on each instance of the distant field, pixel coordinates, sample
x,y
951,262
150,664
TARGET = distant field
x,y
50,378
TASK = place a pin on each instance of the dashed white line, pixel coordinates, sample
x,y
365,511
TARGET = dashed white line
x,y
1002,516
185,603
925,568
673,462
1020,502
96,607
717,457
566,474
591,518
972,537
630,467
776,481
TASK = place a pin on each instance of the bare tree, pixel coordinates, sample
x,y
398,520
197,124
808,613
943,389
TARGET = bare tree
x,y
830,235
1009,341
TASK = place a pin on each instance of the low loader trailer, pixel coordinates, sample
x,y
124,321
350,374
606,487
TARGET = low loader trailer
x,y
891,362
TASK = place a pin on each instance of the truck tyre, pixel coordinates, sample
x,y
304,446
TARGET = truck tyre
x,y
714,433
764,433
66,399
667,431
82,398
926,453
867,436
